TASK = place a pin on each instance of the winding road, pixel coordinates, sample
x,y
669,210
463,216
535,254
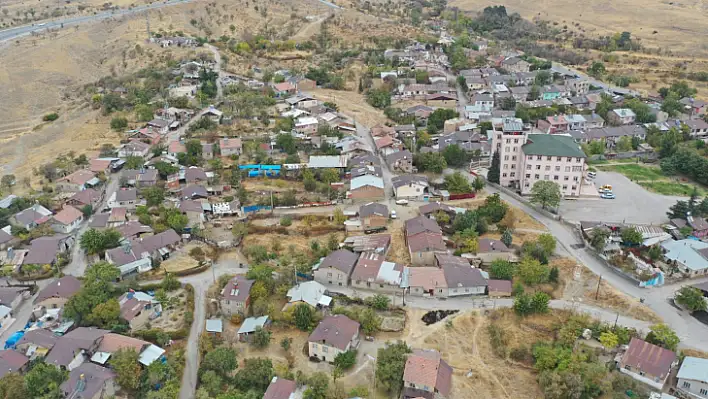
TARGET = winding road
x,y
24,30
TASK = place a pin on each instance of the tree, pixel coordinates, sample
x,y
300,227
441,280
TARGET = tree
x,y
170,282
478,184
531,271
261,338
542,78
304,317
546,193
501,269
522,304
119,123
222,360
455,156
494,170
609,340
329,176
508,103
597,69
430,162
378,98
369,320
378,301
438,117
44,379
339,217
256,374
631,236
507,238
661,334
345,360
691,298
287,143
7,182
125,363
211,382
390,364
144,112
624,144
317,386
285,343
466,221
539,302
95,242
12,386
106,314
598,239
457,183
154,196
547,243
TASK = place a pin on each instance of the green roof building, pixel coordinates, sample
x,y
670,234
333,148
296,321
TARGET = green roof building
x,y
555,145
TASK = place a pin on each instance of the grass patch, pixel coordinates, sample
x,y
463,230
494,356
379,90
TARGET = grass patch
x,y
612,161
671,188
637,172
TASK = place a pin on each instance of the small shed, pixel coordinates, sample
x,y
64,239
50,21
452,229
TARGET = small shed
x,y
499,288
214,327
250,325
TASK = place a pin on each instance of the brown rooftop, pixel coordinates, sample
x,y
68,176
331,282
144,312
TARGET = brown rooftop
x,y
648,358
64,287
336,331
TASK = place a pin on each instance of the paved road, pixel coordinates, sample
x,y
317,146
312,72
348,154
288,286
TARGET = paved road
x,y
690,330
17,32
633,203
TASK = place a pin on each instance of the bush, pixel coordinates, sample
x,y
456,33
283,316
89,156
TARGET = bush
x,y
119,123
50,117
286,221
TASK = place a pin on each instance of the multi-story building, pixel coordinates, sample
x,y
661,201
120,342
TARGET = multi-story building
x,y
579,86
621,116
693,377
508,136
557,158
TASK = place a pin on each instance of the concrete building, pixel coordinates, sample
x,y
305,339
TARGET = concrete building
x,y
424,240
410,187
621,116
336,268
556,158
372,272
332,336
508,136
647,363
236,296
693,377
426,375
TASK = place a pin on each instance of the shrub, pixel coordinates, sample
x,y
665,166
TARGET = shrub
x,y
286,221
50,117
119,123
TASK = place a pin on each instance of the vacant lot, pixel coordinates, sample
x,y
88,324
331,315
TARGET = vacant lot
x,y
653,179
676,24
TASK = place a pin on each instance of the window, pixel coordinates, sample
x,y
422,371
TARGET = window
x,y
454,290
548,167
528,167
513,158
573,188
548,158
558,168
329,274
530,158
508,141
546,177
528,175
516,141
538,167
506,157
440,290
506,149
504,175
506,166
577,160
314,346
513,166
704,391
536,176
568,159
627,367
526,184
513,174
575,178
577,168
538,157
686,384
555,177
324,348
558,159
515,148
567,168
565,178
565,187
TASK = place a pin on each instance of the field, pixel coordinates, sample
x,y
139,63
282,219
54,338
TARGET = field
x,y
677,24
653,179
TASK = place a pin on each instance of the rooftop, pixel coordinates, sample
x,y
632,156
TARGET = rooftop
x,y
552,145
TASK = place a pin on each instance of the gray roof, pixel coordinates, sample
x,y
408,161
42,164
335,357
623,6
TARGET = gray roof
x,y
252,323
615,131
63,287
421,224
99,220
373,208
404,180
11,361
194,190
40,337
195,174
8,294
4,237
341,259
336,331
136,248
7,201
364,160
694,368
129,194
94,376
463,276
43,250
366,170
405,154
238,289
215,325
488,245
70,344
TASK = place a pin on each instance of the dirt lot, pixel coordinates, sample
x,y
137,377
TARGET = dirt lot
x,y
523,220
677,24
353,105
172,319
276,185
182,260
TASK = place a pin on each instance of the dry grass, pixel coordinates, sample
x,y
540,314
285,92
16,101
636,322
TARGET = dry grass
x,y
695,353
399,251
584,289
678,24
182,261
276,185
299,242
353,105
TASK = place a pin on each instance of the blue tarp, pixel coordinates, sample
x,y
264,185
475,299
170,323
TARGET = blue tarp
x,y
12,341
242,167
270,167
255,208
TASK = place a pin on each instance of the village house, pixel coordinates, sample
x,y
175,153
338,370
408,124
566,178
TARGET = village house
x,y
230,146
612,134
175,148
194,191
309,292
77,181
194,212
284,89
132,229
441,100
621,116
213,114
336,268
698,128
426,375
550,93
138,308
460,277
134,148
195,174
694,108
58,292
90,381
46,250
31,217
378,243
575,122
689,256
141,178
75,347
427,281
36,343
136,256
280,388
577,86
67,220
88,197
372,272
373,215
491,250
499,288
387,145
647,363
515,64
236,296
366,187
123,198
302,102
332,336
693,377
6,240
161,126
424,239
250,326
410,187
400,161
594,121
552,124
146,135
431,209
11,297
421,112
12,362
366,170
698,225
484,102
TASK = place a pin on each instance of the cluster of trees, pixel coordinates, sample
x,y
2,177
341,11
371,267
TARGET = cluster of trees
x,y
527,304
161,218
95,304
681,209
430,162
42,380
687,162
390,364
218,377
96,242
141,87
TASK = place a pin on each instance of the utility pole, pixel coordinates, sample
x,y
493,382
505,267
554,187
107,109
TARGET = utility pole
x,y
147,23
598,287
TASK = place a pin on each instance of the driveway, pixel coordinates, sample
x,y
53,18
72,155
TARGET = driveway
x,y
633,204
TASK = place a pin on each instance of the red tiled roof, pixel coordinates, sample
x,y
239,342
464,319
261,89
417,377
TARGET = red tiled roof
x,y
426,368
68,215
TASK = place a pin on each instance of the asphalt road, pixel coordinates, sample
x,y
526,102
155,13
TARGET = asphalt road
x,y
17,32
632,204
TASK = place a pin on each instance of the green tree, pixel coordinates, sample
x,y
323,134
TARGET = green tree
x,y
624,144
378,98
119,123
609,340
455,156
154,196
317,386
531,271
598,239
546,193
12,386
539,302
211,382
222,360
255,374
430,162
95,242
369,320
494,170
522,304
547,243
390,364
457,183
329,176
378,301
106,314
478,184
501,269
338,216
438,117
507,238
554,274
304,317
661,334
632,236
125,363
144,112
597,69
542,78
287,143
691,298
261,338
345,360
43,381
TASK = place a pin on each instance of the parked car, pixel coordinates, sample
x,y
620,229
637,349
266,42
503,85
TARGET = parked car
x,y
402,202
394,215
607,195
591,175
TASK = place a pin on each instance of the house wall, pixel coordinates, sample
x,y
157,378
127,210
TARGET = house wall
x,y
325,352
460,291
226,152
53,303
693,387
490,257
311,128
332,276
412,191
367,192
497,294
566,171
508,144
67,228
233,307
420,291
422,258
374,221
646,378
375,286
421,387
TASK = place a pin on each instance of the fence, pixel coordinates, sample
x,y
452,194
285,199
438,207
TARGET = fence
x,y
461,196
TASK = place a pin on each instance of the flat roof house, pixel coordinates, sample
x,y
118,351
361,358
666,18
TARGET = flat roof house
x,y
332,336
690,256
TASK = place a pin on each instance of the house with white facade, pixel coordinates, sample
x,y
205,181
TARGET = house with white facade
x,y
693,377
332,336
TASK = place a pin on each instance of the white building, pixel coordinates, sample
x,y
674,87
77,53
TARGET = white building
x,y
693,377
